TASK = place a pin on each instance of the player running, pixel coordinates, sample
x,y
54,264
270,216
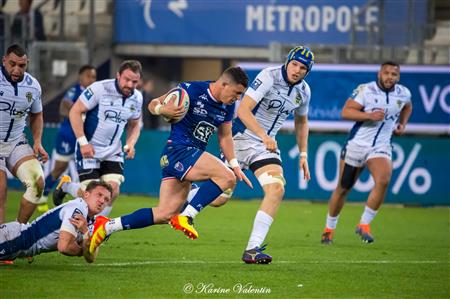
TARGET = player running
x,y
379,108
184,158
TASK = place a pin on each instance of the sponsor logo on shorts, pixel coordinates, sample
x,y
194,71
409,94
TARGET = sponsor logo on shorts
x,y
164,161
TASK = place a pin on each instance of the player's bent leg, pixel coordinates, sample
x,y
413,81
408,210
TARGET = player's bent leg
x,y
59,193
29,172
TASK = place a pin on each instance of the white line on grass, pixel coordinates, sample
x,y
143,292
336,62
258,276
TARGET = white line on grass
x,y
141,263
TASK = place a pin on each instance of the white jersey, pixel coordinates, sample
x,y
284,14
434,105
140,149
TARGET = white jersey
x,y
16,101
276,99
109,112
372,97
42,234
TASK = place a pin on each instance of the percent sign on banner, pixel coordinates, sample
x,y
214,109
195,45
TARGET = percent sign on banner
x,y
414,174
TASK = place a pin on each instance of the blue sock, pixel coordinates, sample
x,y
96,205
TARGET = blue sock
x,y
138,219
207,192
49,183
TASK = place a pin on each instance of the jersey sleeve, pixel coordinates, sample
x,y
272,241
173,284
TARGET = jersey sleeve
x,y
91,95
36,107
303,109
69,211
70,95
138,111
358,95
260,86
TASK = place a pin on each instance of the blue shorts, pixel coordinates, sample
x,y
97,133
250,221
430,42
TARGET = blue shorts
x,y
65,144
177,160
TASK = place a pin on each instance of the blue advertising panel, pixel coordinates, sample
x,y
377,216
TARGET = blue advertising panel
x,y
420,166
260,22
331,85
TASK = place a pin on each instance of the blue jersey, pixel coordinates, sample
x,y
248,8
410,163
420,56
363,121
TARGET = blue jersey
x,y
71,95
204,116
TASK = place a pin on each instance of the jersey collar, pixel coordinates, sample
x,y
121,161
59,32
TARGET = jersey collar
x,y
285,78
384,89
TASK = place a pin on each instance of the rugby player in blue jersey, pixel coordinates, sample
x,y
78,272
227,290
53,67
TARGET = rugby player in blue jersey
x,y
65,139
184,159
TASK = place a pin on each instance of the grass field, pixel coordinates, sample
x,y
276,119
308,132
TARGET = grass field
x,y
409,259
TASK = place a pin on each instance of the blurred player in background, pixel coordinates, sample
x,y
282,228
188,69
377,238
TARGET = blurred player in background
x,y
379,108
65,140
184,158
276,93
20,97
109,105
63,228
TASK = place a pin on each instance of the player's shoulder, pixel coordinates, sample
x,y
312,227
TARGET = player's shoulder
x,y
402,90
137,95
364,88
304,88
75,206
272,72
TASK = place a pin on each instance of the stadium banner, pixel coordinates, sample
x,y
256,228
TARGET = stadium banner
x,y
332,84
419,175
257,23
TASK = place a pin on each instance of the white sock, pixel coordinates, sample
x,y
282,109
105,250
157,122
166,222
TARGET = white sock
x,y
332,221
189,211
71,188
192,194
106,211
261,227
368,215
113,225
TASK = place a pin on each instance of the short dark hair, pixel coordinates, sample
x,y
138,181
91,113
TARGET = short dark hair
x,y
16,49
94,184
85,67
134,65
390,62
237,75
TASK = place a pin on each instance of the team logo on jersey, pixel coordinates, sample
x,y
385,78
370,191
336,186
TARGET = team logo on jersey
x,y
298,98
88,93
28,80
199,109
164,161
1,93
357,91
29,96
399,104
256,83
178,166
203,97
132,108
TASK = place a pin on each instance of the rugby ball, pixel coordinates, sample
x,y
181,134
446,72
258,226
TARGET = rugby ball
x,y
177,96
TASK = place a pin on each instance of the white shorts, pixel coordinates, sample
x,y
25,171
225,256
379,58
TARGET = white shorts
x,y
248,151
357,156
11,152
9,233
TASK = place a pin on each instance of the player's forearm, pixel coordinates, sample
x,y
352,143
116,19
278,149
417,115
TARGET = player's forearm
x,y
354,114
227,147
152,106
405,114
37,125
302,132
71,249
251,123
133,133
76,122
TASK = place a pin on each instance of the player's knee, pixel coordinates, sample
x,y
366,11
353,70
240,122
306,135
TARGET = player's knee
x,y
275,190
274,181
229,180
220,201
31,175
348,178
382,182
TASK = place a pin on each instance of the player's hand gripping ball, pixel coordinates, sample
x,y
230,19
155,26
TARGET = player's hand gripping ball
x,y
178,97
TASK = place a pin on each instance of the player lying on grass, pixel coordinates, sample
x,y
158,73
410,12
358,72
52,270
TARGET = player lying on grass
x,y
63,228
